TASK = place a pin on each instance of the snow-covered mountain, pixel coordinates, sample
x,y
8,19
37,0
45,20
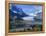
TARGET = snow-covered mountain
x,y
38,15
18,12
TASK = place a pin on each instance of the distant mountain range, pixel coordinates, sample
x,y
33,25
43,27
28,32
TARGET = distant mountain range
x,y
19,13
38,17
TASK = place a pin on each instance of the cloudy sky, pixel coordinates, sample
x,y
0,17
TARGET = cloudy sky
x,y
31,10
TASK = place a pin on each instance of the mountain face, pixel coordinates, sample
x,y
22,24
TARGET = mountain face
x,y
38,18
19,11
39,15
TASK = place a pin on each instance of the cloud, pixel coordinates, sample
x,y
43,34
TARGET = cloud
x,y
30,14
28,18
